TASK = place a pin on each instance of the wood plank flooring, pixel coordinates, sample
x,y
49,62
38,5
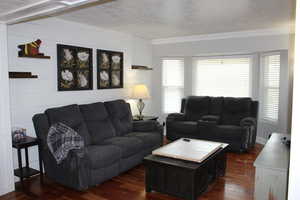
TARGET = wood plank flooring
x,y
237,184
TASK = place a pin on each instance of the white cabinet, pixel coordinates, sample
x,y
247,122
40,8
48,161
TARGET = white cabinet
x,y
271,169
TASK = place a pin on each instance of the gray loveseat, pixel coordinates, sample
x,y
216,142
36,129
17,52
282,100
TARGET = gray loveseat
x,y
221,119
114,142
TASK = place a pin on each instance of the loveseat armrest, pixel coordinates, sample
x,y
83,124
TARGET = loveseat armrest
x,y
248,121
176,117
145,126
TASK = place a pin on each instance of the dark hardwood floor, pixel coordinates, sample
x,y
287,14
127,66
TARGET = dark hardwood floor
x,y
237,184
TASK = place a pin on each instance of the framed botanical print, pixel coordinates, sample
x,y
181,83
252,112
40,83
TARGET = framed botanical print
x,y
74,68
109,69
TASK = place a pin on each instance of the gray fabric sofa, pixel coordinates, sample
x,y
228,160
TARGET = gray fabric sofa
x,y
114,142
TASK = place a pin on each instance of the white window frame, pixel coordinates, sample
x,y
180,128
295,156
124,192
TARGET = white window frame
x,y
163,87
263,87
251,67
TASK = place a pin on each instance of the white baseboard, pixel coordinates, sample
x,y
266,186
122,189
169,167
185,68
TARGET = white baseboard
x,y
261,140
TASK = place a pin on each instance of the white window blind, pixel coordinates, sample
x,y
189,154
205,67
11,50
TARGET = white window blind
x,y
271,81
173,84
225,76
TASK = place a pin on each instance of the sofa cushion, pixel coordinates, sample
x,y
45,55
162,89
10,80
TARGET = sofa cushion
x,y
216,105
149,139
71,116
100,156
229,132
235,109
184,126
98,122
128,145
121,116
196,107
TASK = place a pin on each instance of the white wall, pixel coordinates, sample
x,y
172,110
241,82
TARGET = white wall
x,y
31,96
294,178
6,168
227,46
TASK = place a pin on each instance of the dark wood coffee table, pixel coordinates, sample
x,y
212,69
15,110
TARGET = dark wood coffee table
x,y
181,178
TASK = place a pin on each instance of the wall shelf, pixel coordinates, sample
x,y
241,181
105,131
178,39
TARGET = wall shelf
x,y
38,56
140,67
14,75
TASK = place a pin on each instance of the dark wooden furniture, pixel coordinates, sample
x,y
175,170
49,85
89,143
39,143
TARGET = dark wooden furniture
x,y
21,75
140,67
37,56
145,118
27,172
181,178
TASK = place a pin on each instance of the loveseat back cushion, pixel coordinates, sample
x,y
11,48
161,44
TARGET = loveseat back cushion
x,y
216,105
98,122
196,107
254,109
71,116
235,109
120,115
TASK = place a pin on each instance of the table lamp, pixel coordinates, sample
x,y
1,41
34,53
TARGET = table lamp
x,y
140,92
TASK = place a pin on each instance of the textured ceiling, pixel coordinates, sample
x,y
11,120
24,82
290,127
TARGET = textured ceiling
x,y
6,6
153,19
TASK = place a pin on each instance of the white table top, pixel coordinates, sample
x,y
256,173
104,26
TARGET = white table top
x,y
275,155
189,149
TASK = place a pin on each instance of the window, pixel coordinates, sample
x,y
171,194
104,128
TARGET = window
x,y
271,81
222,76
173,84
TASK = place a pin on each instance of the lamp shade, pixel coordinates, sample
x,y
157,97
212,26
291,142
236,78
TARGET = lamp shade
x,y
140,92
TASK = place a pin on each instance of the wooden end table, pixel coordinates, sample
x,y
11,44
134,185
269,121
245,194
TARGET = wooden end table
x,y
27,172
145,118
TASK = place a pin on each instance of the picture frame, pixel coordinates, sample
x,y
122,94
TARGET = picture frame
x,y
110,69
74,68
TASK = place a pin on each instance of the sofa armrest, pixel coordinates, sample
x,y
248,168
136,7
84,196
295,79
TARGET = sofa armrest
x,y
150,126
145,126
176,117
248,121
73,172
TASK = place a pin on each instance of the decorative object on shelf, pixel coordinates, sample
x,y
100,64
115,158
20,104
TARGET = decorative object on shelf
x,y
18,134
109,69
140,67
140,92
74,68
21,75
31,50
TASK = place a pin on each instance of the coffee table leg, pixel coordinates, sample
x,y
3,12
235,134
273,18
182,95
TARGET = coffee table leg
x,y
221,164
147,180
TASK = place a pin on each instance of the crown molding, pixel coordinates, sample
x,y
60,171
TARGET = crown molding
x,y
217,36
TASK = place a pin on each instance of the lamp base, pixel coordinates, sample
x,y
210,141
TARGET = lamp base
x,y
140,106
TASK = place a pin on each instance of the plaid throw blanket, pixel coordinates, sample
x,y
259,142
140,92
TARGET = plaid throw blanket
x,y
61,139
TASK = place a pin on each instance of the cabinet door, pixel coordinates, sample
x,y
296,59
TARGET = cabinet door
x,y
270,184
